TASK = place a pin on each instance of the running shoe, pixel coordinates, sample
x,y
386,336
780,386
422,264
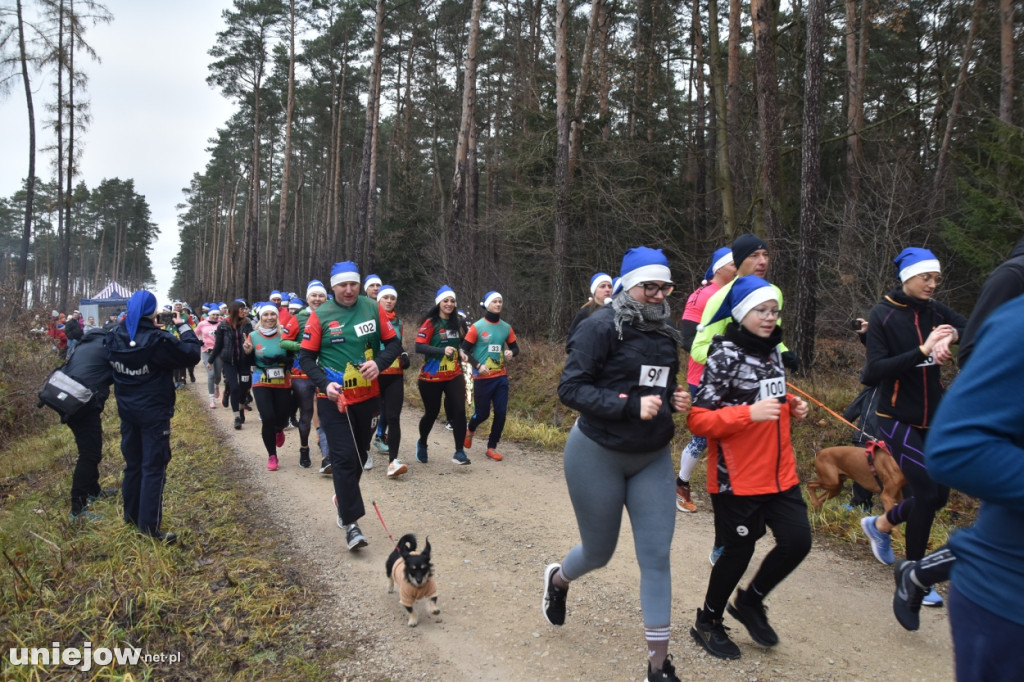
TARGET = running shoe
x,y
272,463
421,452
368,464
553,603
932,599
225,398
103,494
683,501
881,543
468,440
396,468
711,634
238,423
304,461
667,673
751,614
908,597
325,466
84,516
460,458
354,537
715,553
213,403
279,439
379,443
494,454
448,426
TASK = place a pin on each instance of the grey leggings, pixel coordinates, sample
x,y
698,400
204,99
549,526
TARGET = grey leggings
x,y
601,482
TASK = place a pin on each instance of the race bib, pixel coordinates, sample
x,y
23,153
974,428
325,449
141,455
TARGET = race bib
x,y
275,373
244,378
368,327
494,348
772,388
653,376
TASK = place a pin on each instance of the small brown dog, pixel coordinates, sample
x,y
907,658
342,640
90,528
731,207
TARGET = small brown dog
x,y
866,466
413,573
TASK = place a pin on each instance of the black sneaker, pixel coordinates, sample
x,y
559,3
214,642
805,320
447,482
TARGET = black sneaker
x,y
103,494
225,398
710,634
752,614
325,467
355,538
906,600
294,422
238,423
553,604
304,460
667,673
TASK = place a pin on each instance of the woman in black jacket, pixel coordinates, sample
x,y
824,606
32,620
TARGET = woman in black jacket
x,y
908,338
621,376
229,347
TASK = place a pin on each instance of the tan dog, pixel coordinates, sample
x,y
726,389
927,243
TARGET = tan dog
x,y
834,465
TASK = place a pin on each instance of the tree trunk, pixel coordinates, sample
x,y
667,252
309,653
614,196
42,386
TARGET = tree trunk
x,y
856,79
810,174
1006,61
732,117
604,81
767,117
583,87
62,264
362,227
282,216
30,183
700,149
68,196
559,293
723,165
954,109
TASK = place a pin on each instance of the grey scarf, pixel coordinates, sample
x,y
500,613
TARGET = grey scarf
x,y
644,317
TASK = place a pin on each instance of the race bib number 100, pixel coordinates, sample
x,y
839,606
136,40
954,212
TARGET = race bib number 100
x,y
773,388
653,376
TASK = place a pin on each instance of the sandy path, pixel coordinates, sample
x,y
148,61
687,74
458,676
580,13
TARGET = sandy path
x,y
493,526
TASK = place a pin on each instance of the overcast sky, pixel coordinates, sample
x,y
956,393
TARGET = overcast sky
x,y
152,111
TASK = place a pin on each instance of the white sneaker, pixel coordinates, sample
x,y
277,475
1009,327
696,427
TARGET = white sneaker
x,y
213,403
368,464
396,468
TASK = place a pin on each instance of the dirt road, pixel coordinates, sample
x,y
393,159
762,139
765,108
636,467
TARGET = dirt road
x,y
494,526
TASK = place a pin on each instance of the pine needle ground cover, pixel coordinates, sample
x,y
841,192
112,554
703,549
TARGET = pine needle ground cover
x,y
225,604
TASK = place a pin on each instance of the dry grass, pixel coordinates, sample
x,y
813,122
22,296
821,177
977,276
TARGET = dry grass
x,y
225,600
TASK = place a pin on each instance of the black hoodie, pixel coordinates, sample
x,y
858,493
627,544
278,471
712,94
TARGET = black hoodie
x,y
1004,284
909,382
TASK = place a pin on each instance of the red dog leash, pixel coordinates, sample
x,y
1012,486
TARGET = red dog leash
x,y
381,518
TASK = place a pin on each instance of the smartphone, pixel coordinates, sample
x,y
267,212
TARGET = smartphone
x,y
164,319
855,325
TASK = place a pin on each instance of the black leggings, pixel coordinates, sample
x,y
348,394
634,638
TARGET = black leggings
x,y
275,406
454,393
392,394
238,384
922,497
740,520
303,391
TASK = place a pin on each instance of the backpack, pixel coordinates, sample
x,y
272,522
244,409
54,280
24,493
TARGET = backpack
x,y
64,394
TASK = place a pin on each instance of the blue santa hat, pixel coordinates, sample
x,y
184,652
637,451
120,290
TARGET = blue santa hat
x,y
274,293
264,306
488,297
141,304
387,289
643,264
596,281
914,261
371,279
294,303
746,294
719,259
444,292
315,286
616,286
242,301
345,271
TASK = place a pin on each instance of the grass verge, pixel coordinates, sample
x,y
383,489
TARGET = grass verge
x,y
224,604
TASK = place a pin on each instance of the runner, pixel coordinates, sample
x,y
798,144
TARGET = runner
x,y
271,378
206,331
392,388
720,273
371,285
438,339
303,389
228,341
621,376
484,345
340,354
600,294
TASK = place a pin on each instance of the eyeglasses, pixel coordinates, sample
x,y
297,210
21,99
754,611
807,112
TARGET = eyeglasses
x,y
652,288
929,278
767,313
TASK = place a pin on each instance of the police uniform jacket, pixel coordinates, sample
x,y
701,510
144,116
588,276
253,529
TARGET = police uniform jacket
x,y
142,373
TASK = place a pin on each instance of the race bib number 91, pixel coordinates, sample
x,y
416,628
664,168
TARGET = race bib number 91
x,y
653,376
773,388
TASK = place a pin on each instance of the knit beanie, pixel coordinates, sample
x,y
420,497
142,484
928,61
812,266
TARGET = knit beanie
x,y
343,272
744,245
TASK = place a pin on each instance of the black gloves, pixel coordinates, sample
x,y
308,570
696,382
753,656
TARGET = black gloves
x,y
791,361
403,361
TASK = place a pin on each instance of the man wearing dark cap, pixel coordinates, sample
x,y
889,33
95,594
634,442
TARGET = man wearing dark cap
x,y
144,358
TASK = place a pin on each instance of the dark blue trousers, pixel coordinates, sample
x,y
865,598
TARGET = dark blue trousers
x,y
348,439
146,446
986,646
87,426
488,392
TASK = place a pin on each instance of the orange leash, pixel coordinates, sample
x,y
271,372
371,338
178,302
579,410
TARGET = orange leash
x,y
821,405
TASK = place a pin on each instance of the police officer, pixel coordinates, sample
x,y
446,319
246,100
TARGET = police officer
x,y
144,358
88,365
